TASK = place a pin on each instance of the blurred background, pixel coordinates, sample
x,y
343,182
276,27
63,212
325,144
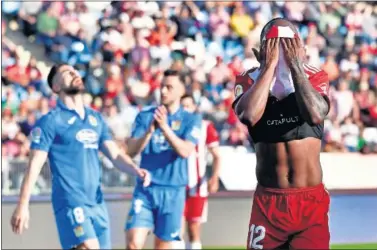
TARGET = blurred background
x,y
122,48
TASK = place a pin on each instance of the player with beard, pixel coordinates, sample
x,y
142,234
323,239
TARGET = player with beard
x,y
283,103
70,136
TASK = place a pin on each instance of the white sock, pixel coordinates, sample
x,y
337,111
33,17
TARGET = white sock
x,y
196,245
178,244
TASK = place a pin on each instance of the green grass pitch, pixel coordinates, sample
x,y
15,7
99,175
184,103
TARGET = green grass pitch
x,y
335,246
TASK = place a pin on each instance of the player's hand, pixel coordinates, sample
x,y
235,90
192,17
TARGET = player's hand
x,y
293,51
20,219
271,52
161,117
145,176
213,184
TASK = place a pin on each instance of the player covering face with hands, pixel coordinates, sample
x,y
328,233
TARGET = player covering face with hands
x,y
71,136
283,104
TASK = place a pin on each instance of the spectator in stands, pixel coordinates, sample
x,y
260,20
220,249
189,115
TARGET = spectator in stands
x,y
122,49
47,25
28,16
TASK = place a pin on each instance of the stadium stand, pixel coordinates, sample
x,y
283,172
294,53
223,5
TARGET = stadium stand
x,y
122,48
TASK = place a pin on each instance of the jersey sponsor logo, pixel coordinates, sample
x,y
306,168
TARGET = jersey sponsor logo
x,y
72,120
238,90
88,137
79,231
36,135
282,121
93,121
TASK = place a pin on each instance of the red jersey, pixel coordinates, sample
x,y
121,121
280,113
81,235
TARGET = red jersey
x,y
197,162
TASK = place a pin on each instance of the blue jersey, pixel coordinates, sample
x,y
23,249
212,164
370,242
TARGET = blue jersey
x,y
72,144
159,158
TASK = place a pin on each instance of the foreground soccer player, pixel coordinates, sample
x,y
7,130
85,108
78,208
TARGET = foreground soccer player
x,y
70,136
283,103
165,136
196,208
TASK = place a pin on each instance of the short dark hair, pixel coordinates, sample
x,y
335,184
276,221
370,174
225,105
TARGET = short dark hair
x,y
54,69
171,72
188,96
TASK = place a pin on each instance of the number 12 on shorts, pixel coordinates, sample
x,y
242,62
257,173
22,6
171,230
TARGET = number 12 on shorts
x,y
257,233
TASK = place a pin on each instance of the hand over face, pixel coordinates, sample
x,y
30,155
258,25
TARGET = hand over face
x,y
268,56
293,50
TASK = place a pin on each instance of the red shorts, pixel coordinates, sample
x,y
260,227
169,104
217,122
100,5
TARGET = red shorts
x,y
295,218
196,209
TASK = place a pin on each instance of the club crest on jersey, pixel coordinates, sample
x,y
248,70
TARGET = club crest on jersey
x,y
176,125
36,135
93,121
238,90
79,231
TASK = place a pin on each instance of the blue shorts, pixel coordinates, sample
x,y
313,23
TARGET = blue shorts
x,y
78,224
158,208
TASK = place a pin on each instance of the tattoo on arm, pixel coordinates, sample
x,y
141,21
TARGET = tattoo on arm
x,y
313,107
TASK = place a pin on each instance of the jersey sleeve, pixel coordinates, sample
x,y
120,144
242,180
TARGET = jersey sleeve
x,y
242,84
212,139
105,131
320,82
192,131
43,134
139,128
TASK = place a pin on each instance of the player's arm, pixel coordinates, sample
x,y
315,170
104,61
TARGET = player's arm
x,y
251,105
141,135
214,180
42,137
311,98
20,218
212,143
36,161
120,160
123,161
183,146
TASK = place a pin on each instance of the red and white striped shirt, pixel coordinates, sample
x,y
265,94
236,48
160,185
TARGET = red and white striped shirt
x,y
197,162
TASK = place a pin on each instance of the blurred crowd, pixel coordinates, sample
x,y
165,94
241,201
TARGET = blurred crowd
x,y
122,48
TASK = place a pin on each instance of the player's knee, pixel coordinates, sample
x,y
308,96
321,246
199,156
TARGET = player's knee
x,y
134,245
134,240
162,244
89,244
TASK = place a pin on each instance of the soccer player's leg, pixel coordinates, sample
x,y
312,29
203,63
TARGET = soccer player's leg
x,y
75,228
196,214
140,219
101,223
314,225
171,202
262,233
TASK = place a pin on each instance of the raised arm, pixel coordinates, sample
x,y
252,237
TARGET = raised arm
x,y
311,98
183,146
141,135
251,105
